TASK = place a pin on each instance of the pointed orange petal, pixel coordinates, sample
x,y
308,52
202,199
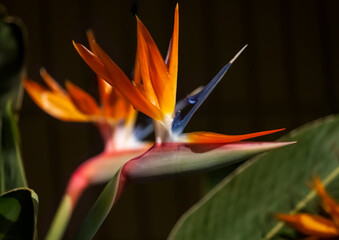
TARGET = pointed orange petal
x,y
173,52
104,88
82,100
52,84
92,60
131,116
158,71
113,103
118,109
210,137
32,86
147,86
123,110
329,204
62,108
56,105
137,70
119,80
108,97
90,38
312,225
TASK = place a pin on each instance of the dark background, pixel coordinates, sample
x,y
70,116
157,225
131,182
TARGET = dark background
x,y
287,76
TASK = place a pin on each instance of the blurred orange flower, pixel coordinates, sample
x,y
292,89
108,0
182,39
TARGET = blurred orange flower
x,y
315,226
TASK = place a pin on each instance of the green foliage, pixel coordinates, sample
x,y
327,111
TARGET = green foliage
x,y
18,206
12,174
242,206
12,51
99,210
12,58
18,214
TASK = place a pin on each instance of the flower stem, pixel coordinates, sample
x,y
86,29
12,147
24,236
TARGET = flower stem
x,y
61,219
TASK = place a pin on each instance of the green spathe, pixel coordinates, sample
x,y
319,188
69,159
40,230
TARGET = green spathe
x,y
170,161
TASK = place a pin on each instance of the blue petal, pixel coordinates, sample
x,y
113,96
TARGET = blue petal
x,y
178,125
184,102
181,105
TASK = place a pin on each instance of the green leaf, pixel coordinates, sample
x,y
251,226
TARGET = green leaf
x,y
12,58
12,54
242,206
12,174
99,210
18,214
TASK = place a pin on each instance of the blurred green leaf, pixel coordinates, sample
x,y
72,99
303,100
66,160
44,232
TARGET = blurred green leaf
x,y
12,57
12,54
99,210
18,214
242,206
12,174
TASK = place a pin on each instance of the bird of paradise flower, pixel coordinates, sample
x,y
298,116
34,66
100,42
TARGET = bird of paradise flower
x,y
154,94
115,119
315,226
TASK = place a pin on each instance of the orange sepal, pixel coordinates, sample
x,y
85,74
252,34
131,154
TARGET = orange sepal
x,y
92,60
82,100
131,116
158,71
56,105
173,52
119,80
91,39
210,137
108,98
51,83
105,90
117,106
137,70
144,68
328,203
312,225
